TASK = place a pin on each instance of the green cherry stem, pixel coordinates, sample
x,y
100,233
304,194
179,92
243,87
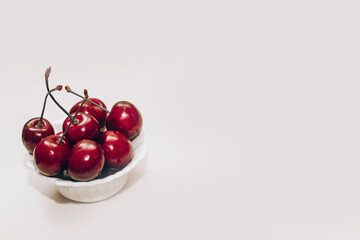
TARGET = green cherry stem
x,y
82,103
47,74
68,89
58,88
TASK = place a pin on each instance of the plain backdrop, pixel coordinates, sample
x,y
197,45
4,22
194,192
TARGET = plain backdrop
x,y
251,110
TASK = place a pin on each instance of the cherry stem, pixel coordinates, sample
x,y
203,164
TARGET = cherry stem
x,y
47,74
82,103
58,88
68,89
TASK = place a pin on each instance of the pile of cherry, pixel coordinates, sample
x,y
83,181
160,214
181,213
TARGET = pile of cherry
x,y
94,140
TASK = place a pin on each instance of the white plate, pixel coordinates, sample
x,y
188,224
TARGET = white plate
x,y
98,189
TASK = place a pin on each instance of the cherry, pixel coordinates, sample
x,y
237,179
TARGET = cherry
x,y
50,157
32,133
85,127
125,118
86,160
117,148
93,110
37,128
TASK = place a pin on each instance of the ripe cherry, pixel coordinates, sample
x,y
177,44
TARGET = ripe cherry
x,y
86,160
50,156
117,148
85,127
125,118
32,133
37,128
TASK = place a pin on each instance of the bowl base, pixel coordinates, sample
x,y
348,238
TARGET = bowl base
x,y
93,193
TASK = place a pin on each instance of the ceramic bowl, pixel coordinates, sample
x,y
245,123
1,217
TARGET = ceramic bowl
x,y
97,189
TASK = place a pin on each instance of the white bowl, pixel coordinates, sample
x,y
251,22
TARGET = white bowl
x,y
98,189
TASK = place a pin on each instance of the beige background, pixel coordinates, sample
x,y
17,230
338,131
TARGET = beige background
x,y
252,111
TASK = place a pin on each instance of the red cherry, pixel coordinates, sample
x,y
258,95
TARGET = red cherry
x,y
50,156
125,118
89,108
37,128
86,161
117,148
86,127
32,133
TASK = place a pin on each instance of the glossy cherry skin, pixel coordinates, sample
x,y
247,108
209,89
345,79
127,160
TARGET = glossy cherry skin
x,y
32,133
86,161
86,128
95,111
50,157
117,148
125,118
60,134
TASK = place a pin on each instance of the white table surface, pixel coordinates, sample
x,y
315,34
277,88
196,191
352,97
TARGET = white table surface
x,y
251,110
